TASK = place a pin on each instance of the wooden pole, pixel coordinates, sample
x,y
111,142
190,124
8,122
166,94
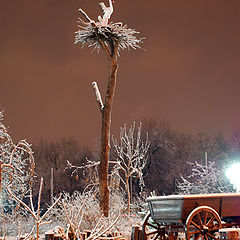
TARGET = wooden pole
x,y
135,233
206,159
51,185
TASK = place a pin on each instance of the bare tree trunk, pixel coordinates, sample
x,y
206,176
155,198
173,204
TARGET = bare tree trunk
x,y
105,137
37,232
128,194
106,109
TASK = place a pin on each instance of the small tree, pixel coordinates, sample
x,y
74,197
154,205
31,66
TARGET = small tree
x,y
16,164
132,157
110,37
204,179
36,214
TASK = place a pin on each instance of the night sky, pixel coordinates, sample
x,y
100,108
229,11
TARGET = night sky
x,y
188,73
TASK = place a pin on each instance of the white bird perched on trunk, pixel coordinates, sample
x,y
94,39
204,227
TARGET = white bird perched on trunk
x,y
107,12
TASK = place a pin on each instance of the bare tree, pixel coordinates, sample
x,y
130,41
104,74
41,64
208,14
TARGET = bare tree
x,y
16,163
54,155
131,157
234,143
89,170
37,216
168,153
216,147
110,37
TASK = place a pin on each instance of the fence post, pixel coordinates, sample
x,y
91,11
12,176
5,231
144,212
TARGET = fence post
x,y
49,235
135,233
57,237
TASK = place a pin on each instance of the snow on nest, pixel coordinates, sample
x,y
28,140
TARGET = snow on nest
x,y
89,34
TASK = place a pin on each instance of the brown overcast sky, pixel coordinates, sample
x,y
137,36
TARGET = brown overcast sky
x,y
188,75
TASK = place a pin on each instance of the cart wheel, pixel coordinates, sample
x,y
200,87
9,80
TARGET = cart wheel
x,y
152,230
202,223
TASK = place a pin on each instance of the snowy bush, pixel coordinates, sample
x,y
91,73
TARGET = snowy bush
x,y
204,179
77,203
83,210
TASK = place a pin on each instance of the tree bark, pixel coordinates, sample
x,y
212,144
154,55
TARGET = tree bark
x,y
105,137
106,109
128,194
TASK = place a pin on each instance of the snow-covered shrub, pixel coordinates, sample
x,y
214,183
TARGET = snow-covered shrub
x,y
38,217
204,179
15,224
19,225
83,203
83,210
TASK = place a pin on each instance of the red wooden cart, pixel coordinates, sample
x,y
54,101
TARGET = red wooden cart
x,y
200,216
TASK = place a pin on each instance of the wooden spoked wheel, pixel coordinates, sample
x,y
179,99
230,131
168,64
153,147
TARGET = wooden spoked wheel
x,y
202,223
153,230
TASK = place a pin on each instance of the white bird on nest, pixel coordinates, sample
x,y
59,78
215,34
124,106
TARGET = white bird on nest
x,y
107,12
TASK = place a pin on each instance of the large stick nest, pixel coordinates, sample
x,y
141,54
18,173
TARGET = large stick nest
x,y
89,34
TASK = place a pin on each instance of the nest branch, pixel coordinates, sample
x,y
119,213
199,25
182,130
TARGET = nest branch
x,y
86,16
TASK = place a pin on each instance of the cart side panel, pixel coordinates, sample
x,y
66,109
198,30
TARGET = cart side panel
x,y
231,207
190,204
166,211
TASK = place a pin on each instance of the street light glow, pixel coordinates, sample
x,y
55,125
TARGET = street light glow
x,y
233,174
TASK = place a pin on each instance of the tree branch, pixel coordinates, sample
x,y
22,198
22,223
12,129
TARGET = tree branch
x,y
86,16
39,198
103,45
98,95
49,209
24,204
113,223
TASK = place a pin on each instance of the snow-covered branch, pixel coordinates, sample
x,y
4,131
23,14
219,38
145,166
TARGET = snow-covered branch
x,y
98,95
90,169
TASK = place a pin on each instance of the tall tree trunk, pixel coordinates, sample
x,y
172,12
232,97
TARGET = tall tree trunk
x,y
105,137
107,38
128,194
37,231
106,109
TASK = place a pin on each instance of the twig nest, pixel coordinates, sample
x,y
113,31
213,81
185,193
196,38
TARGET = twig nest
x,y
90,33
